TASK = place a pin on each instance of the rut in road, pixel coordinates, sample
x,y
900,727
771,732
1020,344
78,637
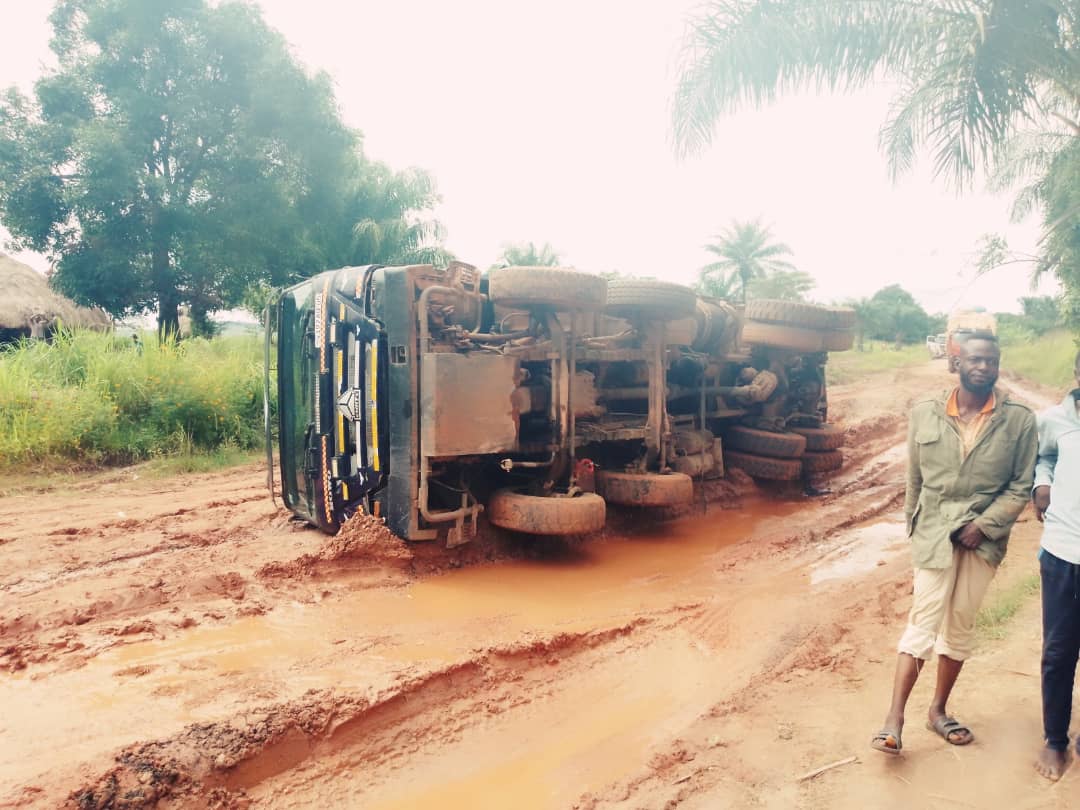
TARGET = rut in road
x,y
564,677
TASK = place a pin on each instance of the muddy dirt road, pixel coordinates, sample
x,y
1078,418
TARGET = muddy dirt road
x,y
182,644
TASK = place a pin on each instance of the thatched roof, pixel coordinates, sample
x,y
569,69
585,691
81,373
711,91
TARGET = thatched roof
x,y
25,295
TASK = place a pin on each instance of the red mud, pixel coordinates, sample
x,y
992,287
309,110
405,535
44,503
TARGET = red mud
x,y
184,645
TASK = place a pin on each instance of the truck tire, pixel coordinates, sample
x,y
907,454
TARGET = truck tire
x,y
535,514
718,325
837,340
764,442
644,489
824,461
773,469
651,300
555,287
821,439
796,313
781,336
842,318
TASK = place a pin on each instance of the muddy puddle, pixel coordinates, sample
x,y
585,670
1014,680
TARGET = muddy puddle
x,y
363,639
860,550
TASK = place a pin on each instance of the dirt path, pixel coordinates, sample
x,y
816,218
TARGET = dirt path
x,y
184,642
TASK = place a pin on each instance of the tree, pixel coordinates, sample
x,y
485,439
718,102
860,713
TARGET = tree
x,y
527,254
863,316
786,285
893,314
746,251
977,79
176,155
389,226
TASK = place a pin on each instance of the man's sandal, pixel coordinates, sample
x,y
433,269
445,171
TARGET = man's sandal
x,y
887,742
946,727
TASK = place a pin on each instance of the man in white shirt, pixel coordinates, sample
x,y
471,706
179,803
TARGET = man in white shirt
x,y
1056,497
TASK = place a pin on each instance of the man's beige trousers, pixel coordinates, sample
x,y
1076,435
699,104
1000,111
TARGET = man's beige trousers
x,y
944,607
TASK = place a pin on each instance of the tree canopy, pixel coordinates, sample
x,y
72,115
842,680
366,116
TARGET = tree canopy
x,y
529,254
179,154
745,251
785,285
892,314
983,84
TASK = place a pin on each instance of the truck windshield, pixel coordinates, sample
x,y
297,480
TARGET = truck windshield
x,y
296,370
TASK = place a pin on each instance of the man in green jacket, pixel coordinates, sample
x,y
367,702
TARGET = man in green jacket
x,y
971,463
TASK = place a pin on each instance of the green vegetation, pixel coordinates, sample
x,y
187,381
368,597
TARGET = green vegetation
x,y
999,609
529,254
844,367
986,86
1047,359
745,251
893,314
97,399
179,154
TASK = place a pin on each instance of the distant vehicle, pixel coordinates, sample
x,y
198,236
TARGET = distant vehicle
x,y
935,345
963,324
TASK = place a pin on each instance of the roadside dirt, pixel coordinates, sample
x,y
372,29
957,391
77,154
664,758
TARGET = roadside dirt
x,y
182,644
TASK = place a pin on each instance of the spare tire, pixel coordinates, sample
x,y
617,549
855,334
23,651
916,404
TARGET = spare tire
x,y
535,514
822,462
774,469
835,340
794,338
644,489
649,300
554,287
797,313
764,442
822,438
842,318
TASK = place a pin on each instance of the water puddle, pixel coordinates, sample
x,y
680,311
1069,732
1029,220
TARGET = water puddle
x,y
860,550
362,639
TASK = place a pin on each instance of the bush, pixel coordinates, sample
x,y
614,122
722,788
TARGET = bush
x,y
1047,359
96,398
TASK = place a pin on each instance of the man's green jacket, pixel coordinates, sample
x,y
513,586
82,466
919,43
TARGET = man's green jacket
x,y
990,486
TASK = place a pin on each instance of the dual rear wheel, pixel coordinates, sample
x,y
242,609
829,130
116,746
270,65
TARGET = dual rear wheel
x,y
584,513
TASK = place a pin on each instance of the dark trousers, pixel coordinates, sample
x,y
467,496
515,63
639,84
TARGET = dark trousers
x,y
1061,645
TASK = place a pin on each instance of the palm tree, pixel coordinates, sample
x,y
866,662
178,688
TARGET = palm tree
x,y
389,225
745,251
972,72
527,254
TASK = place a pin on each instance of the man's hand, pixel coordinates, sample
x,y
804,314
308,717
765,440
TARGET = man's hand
x,y
1040,499
970,536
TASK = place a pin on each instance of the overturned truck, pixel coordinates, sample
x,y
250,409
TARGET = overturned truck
x,y
534,395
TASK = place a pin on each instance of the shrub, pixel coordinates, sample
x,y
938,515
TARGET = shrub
x,y
99,399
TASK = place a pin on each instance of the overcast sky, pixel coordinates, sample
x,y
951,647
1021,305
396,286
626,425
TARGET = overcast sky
x,y
549,122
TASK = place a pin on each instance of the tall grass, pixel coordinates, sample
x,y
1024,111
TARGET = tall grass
x,y
876,356
95,398
1047,359
994,616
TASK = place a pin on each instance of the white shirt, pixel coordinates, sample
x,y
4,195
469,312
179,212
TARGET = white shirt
x,y
1058,467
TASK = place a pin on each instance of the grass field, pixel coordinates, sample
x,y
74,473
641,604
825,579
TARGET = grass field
x,y
847,366
92,399
1046,359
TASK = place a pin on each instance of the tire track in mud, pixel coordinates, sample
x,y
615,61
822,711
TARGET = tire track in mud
x,y
226,759
311,744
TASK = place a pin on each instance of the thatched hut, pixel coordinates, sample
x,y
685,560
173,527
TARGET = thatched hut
x,y
29,307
